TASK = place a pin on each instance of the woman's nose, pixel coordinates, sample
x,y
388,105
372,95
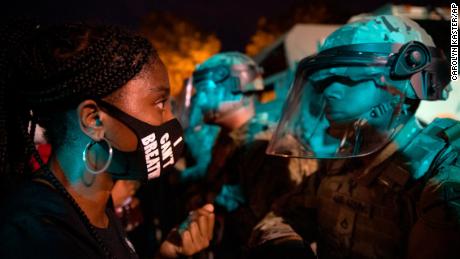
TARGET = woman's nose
x,y
334,91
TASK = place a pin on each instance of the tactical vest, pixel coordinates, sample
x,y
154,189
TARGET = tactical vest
x,y
371,215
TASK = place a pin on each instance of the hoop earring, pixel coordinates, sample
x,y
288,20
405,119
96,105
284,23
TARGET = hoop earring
x,y
106,165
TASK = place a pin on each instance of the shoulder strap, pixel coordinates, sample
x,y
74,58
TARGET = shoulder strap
x,y
427,151
452,133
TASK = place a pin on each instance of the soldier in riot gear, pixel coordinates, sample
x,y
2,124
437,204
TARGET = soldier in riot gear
x,y
226,86
389,187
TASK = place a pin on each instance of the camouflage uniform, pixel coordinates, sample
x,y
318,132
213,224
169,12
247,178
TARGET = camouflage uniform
x,y
260,179
374,208
389,188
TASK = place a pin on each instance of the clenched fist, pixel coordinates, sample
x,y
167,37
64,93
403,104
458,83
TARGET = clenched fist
x,y
192,236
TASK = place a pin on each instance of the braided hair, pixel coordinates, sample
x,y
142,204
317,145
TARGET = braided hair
x,y
48,70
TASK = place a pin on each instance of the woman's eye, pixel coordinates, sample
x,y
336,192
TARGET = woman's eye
x,y
160,105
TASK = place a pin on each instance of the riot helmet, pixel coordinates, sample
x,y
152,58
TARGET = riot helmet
x,y
351,98
223,84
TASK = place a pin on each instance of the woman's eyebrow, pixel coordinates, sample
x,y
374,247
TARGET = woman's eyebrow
x,y
160,89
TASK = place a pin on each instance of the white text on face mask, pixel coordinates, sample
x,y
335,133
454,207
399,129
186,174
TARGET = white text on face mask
x,y
166,150
152,155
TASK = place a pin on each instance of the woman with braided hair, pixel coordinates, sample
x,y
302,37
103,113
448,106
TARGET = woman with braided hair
x,y
101,94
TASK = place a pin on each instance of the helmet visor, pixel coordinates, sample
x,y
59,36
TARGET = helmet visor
x,y
250,77
339,106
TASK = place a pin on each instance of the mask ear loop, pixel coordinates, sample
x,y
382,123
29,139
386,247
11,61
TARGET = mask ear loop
x,y
107,163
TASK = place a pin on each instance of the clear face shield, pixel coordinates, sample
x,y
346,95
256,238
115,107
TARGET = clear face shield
x,y
182,104
222,89
342,104
239,78
250,78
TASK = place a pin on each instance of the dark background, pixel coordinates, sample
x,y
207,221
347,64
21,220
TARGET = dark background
x,y
233,21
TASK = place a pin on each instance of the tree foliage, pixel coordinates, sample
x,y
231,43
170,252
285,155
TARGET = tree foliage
x,y
268,30
180,44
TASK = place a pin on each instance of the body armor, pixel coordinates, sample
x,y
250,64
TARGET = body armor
x,y
353,210
366,215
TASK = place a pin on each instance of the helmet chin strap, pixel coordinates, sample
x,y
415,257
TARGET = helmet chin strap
x,y
380,109
384,107
355,129
377,112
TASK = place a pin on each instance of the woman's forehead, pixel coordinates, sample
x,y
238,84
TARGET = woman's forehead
x,y
154,79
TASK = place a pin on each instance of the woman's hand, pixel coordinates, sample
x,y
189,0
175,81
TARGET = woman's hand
x,y
193,235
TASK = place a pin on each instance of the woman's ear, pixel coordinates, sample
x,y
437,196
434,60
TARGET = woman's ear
x,y
89,116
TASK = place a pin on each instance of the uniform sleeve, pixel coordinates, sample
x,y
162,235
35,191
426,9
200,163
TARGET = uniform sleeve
x,y
292,217
289,229
436,234
298,208
266,178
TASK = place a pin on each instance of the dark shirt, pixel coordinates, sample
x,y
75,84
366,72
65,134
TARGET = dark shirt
x,y
38,222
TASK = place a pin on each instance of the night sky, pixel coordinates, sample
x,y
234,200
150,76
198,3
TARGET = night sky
x,y
234,21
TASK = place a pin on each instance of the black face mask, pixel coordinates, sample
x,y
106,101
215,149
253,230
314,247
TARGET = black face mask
x,y
158,147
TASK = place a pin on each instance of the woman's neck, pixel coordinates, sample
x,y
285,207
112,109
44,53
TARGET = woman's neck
x,y
91,192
